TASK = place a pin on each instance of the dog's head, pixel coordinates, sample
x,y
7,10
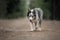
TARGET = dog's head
x,y
31,14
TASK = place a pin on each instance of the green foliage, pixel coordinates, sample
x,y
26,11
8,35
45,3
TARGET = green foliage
x,y
17,8
14,9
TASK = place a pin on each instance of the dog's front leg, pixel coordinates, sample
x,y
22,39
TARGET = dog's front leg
x,y
32,27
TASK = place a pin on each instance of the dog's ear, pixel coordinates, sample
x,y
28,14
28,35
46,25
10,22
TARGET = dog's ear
x,y
28,11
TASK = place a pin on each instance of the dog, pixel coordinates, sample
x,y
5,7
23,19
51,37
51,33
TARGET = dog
x,y
35,17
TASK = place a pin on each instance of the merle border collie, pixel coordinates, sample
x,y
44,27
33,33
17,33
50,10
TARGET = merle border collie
x,y
35,17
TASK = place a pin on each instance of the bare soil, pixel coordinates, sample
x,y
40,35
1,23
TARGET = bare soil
x,y
19,29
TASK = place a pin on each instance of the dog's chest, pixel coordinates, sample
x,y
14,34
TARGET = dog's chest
x,y
34,20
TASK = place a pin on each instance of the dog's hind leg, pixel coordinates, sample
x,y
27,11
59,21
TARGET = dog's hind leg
x,y
39,26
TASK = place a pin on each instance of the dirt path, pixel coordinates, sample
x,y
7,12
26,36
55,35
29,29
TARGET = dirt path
x,y
19,29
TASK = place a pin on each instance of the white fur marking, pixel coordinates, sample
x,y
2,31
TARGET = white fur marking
x,y
32,10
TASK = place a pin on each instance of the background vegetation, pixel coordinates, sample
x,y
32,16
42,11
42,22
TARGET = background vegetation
x,y
18,8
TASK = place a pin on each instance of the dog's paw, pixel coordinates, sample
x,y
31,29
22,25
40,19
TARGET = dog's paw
x,y
31,30
39,29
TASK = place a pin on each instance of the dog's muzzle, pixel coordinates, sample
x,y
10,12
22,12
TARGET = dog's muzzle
x,y
30,18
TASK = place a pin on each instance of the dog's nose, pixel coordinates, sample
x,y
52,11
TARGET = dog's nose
x,y
30,20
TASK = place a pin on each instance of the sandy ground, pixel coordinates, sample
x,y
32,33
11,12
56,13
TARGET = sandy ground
x,y
19,29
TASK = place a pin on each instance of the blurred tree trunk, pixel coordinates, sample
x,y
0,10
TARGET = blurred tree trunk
x,y
53,5
55,10
27,6
3,7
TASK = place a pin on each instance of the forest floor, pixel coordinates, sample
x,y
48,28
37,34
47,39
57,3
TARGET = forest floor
x,y
19,29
